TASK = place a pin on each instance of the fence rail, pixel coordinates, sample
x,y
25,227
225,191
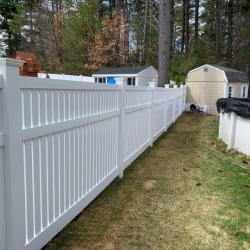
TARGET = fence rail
x,y
67,77
64,143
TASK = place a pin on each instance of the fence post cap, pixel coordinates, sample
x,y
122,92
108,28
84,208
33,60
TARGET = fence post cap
x,y
11,62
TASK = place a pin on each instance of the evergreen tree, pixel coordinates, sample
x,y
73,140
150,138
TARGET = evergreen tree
x,y
11,19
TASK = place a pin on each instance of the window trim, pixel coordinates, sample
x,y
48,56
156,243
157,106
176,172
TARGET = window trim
x,y
243,92
230,93
102,80
131,81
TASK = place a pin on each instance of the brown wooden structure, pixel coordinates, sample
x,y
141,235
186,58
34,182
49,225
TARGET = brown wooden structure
x,y
32,65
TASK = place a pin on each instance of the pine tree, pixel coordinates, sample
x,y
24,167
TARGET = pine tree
x,y
164,41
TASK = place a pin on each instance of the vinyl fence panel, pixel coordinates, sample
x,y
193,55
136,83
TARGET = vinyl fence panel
x,y
138,102
67,77
234,131
64,143
2,179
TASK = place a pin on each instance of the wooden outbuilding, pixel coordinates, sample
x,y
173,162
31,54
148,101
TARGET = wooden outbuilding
x,y
208,83
31,65
137,75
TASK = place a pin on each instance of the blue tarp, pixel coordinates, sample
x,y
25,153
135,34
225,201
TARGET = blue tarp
x,y
111,80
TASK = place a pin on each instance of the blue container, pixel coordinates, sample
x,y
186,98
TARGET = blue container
x,y
111,80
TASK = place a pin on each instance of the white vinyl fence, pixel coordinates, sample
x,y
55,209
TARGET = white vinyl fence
x,y
234,131
63,142
67,77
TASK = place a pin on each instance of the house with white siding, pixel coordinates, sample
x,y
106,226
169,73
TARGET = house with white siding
x,y
137,76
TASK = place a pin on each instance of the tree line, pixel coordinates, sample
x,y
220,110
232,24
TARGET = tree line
x,y
80,37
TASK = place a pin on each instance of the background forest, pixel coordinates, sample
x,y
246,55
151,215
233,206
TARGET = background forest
x,y
82,36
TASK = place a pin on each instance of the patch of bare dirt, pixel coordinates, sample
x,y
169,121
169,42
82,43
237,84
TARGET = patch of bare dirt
x,y
150,184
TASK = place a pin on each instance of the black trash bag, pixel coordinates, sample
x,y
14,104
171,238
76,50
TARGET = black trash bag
x,y
241,106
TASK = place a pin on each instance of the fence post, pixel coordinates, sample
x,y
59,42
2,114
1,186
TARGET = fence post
x,y
174,109
2,179
13,171
233,129
151,141
166,110
221,125
121,82
183,98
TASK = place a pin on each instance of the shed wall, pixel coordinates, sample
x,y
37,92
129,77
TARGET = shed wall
x,y
146,76
237,88
205,87
205,93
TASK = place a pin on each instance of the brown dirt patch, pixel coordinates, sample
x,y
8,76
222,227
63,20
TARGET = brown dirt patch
x,y
149,184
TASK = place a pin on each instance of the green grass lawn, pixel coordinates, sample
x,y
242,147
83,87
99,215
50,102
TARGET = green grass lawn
x,y
186,192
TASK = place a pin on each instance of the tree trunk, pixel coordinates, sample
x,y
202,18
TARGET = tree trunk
x,y
172,29
145,31
118,4
197,7
183,26
32,43
100,14
230,30
164,42
187,36
218,30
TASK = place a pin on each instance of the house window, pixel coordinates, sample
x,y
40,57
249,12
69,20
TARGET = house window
x,y
131,81
230,92
244,92
96,79
102,80
134,81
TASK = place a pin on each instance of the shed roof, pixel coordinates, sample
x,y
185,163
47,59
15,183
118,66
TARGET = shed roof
x,y
233,75
122,70
31,64
25,56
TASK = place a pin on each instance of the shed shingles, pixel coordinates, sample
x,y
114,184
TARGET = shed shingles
x,y
121,70
233,75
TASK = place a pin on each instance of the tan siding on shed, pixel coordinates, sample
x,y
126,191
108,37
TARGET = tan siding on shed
x,y
206,87
212,75
205,93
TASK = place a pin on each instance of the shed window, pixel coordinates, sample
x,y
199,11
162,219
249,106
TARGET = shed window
x,y
205,69
230,92
131,81
102,80
244,92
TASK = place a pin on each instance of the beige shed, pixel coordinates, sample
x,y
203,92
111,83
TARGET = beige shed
x,y
208,83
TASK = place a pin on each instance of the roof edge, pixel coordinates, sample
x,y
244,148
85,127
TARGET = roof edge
x,y
145,67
